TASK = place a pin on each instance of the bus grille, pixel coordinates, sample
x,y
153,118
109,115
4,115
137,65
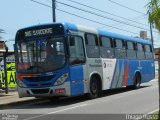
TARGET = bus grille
x,y
40,85
39,79
40,91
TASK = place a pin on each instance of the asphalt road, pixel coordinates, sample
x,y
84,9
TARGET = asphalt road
x,y
122,101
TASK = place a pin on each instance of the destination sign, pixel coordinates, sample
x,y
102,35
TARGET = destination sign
x,y
38,32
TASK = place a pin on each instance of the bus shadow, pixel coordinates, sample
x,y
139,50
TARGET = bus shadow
x,y
119,90
65,101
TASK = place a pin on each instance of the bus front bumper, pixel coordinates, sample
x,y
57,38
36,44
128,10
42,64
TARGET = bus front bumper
x,y
60,90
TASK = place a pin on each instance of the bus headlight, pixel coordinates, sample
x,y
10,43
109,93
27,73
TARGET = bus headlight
x,y
20,83
61,79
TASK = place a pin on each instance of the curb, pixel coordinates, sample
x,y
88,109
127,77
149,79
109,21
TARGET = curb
x,y
15,103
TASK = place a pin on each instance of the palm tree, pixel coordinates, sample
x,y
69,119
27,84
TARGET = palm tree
x,y
154,19
154,13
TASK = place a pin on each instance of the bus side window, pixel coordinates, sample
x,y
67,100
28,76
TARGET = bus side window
x,y
120,48
131,50
140,51
148,52
76,49
106,48
92,47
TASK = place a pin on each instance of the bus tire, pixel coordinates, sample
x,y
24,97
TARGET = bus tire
x,y
137,81
94,88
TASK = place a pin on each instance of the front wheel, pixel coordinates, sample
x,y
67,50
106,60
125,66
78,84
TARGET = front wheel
x,y
94,88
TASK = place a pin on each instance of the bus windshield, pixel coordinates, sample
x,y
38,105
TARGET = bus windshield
x,y
42,55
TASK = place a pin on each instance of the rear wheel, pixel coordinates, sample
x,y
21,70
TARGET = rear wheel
x,y
137,81
94,88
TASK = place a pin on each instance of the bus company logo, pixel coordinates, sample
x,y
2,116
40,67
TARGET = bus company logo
x,y
38,32
107,65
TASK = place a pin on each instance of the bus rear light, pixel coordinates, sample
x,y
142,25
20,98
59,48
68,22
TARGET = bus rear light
x,y
60,90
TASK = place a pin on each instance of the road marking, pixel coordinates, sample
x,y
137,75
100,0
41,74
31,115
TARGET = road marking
x,y
56,111
95,101
156,110
68,108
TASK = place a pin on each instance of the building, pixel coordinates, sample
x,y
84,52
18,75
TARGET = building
x,y
156,52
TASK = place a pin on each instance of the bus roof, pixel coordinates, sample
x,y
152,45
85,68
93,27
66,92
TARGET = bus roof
x,y
100,32
106,33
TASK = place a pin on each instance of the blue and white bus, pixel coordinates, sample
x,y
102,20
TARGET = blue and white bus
x,y
65,59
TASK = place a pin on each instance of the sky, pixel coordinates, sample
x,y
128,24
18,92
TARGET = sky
x,y
128,17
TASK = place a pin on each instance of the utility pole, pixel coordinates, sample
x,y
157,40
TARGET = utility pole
x,y
151,32
54,10
5,68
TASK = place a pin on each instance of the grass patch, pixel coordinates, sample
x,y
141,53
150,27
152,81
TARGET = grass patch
x,y
154,116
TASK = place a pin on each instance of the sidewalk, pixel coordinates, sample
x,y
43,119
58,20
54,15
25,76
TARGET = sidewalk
x,y
12,98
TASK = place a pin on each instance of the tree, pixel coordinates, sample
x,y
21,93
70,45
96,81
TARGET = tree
x,y
154,13
154,19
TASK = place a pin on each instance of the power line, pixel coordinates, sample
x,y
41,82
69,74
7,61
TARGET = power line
x,y
41,3
99,14
106,12
137,18
102,16
127,7
48,1
83,17
86,18
96,21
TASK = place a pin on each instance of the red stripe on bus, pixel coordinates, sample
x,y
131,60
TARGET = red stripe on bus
x,y
126,75
21,76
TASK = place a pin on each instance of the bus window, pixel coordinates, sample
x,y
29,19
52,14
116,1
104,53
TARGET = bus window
x,y
148,52
131,51
92,48
76,48
140,51
106,49
120,49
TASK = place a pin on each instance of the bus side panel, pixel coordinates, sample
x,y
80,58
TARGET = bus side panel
x,y
134,65
77,78
108,66
147,71
120,76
